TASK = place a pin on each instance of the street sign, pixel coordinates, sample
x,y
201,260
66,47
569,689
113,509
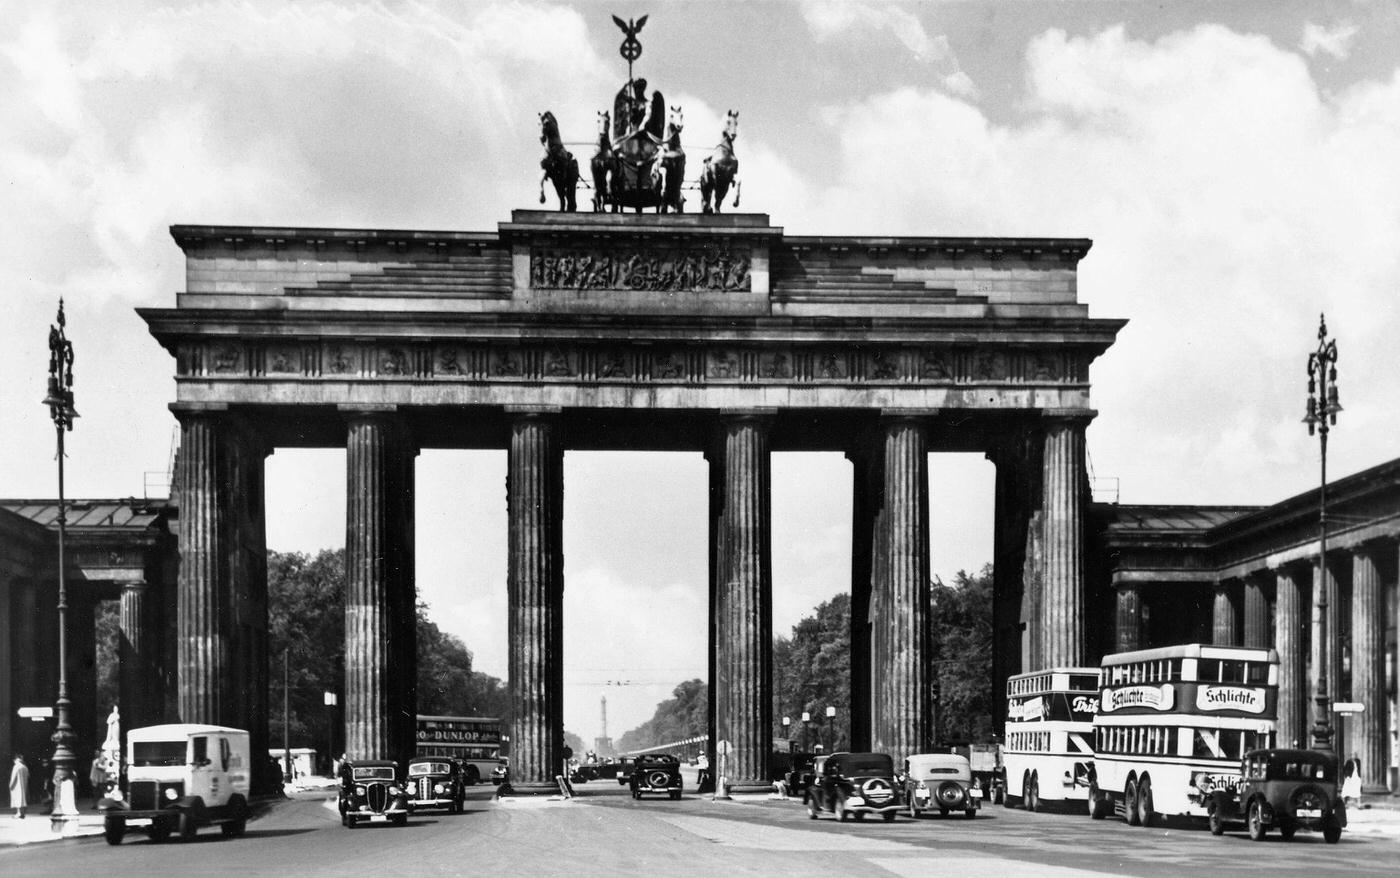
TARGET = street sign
x,y
36,713
722,748
1348,707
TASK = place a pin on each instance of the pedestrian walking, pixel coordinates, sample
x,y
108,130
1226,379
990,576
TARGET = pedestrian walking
x,y
1351,781
97,776
19,786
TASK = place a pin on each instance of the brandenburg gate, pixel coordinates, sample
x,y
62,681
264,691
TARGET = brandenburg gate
x,y
717,333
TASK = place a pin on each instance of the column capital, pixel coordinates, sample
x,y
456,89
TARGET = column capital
x,y
910,414
136,585
749,414
1078,417
533,410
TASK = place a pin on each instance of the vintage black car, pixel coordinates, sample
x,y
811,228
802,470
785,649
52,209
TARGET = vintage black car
x,y
656,773
1285,789
435,782
371,792
795,780
624,770
854,783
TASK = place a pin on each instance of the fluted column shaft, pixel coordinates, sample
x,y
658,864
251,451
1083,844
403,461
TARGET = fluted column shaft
x,y
902,721
135,657
742,647
1223,617
1325,576
865,504
380,624
535,501
1129,619
1368,728
1062,607
1257,630
1291,641
1018,482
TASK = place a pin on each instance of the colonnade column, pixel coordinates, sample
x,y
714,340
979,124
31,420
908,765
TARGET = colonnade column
x,y
380,598
1324,576
136,644
742,601
1062,521
865,506
1291,641
1016,456
535,503
1368,728
1223,617
1129,619
901,647
1257,632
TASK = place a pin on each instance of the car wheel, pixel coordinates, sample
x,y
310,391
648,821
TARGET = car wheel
x,y
1146,815
234,828
159,830
887,816
187,826
1216,820
113,830
1257,829
841,813
811,807
1130,802
350,821
1332,830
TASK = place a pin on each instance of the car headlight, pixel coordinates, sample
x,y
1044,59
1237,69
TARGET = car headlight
x,y
359,790
170,794
395,791
439,789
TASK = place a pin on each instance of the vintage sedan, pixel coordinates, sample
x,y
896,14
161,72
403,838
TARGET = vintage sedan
x,y
371,792
1284,789
656,773
940,780
435,782
854,783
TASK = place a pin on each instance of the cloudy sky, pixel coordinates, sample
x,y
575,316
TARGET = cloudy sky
x,y
1233,162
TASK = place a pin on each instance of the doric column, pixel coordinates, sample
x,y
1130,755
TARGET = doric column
x,y
1325,576
535,501
136,644
1129,619
1258,630
865,505
1016,455
902,721
1291,641
1062,606
380,626
1223,617
743,602
1367,729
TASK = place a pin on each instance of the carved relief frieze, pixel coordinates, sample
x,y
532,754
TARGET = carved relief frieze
x,y
710,268
506,363
831,366
613,364
281,359
721,363
392,362
883,366
989,366
227,358
342,360
775,365
937,365
669,366
560,363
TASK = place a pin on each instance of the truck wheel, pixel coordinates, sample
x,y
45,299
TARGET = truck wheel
x,y
1257,829
113,829
187,826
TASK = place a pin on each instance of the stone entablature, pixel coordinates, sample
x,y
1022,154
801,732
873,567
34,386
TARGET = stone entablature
x,y
584,310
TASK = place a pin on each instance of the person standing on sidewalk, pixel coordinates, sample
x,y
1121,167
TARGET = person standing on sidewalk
x,y
19,787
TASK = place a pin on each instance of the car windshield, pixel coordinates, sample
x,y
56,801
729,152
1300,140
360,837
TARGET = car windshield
x,y
375,773
874,763
158,753
429,768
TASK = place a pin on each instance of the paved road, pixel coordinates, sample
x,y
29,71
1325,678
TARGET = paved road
x,y
604,832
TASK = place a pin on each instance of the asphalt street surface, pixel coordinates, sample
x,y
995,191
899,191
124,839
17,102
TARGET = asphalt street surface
x,y
604,832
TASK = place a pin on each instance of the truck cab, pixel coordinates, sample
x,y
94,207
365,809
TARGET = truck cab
x,y
179,777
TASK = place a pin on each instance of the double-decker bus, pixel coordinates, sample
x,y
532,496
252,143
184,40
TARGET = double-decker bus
x,y
475,740
1173,724
1048,749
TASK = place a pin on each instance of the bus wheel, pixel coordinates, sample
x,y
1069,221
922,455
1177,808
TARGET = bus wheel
x,y
1130,802
1097,811
1145,812
1032,794
1257,829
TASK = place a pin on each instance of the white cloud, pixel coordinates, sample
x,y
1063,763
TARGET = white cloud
x,y
829,20
1334,41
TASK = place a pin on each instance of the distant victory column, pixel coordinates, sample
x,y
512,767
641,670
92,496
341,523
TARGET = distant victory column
x,y
602,745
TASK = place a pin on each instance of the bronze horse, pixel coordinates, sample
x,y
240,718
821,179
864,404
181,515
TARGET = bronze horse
x,y
721,168
668,169
558,165
604,166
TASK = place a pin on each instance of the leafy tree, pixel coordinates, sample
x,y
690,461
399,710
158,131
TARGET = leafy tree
x,y
811,670
963,656
685,715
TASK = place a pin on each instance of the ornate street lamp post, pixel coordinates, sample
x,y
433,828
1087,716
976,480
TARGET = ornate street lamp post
x,y
60,403
830,728
806,718
1322,413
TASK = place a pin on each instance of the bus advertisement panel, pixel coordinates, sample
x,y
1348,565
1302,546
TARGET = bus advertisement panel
x,y
1048,749
475,740
1174,722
